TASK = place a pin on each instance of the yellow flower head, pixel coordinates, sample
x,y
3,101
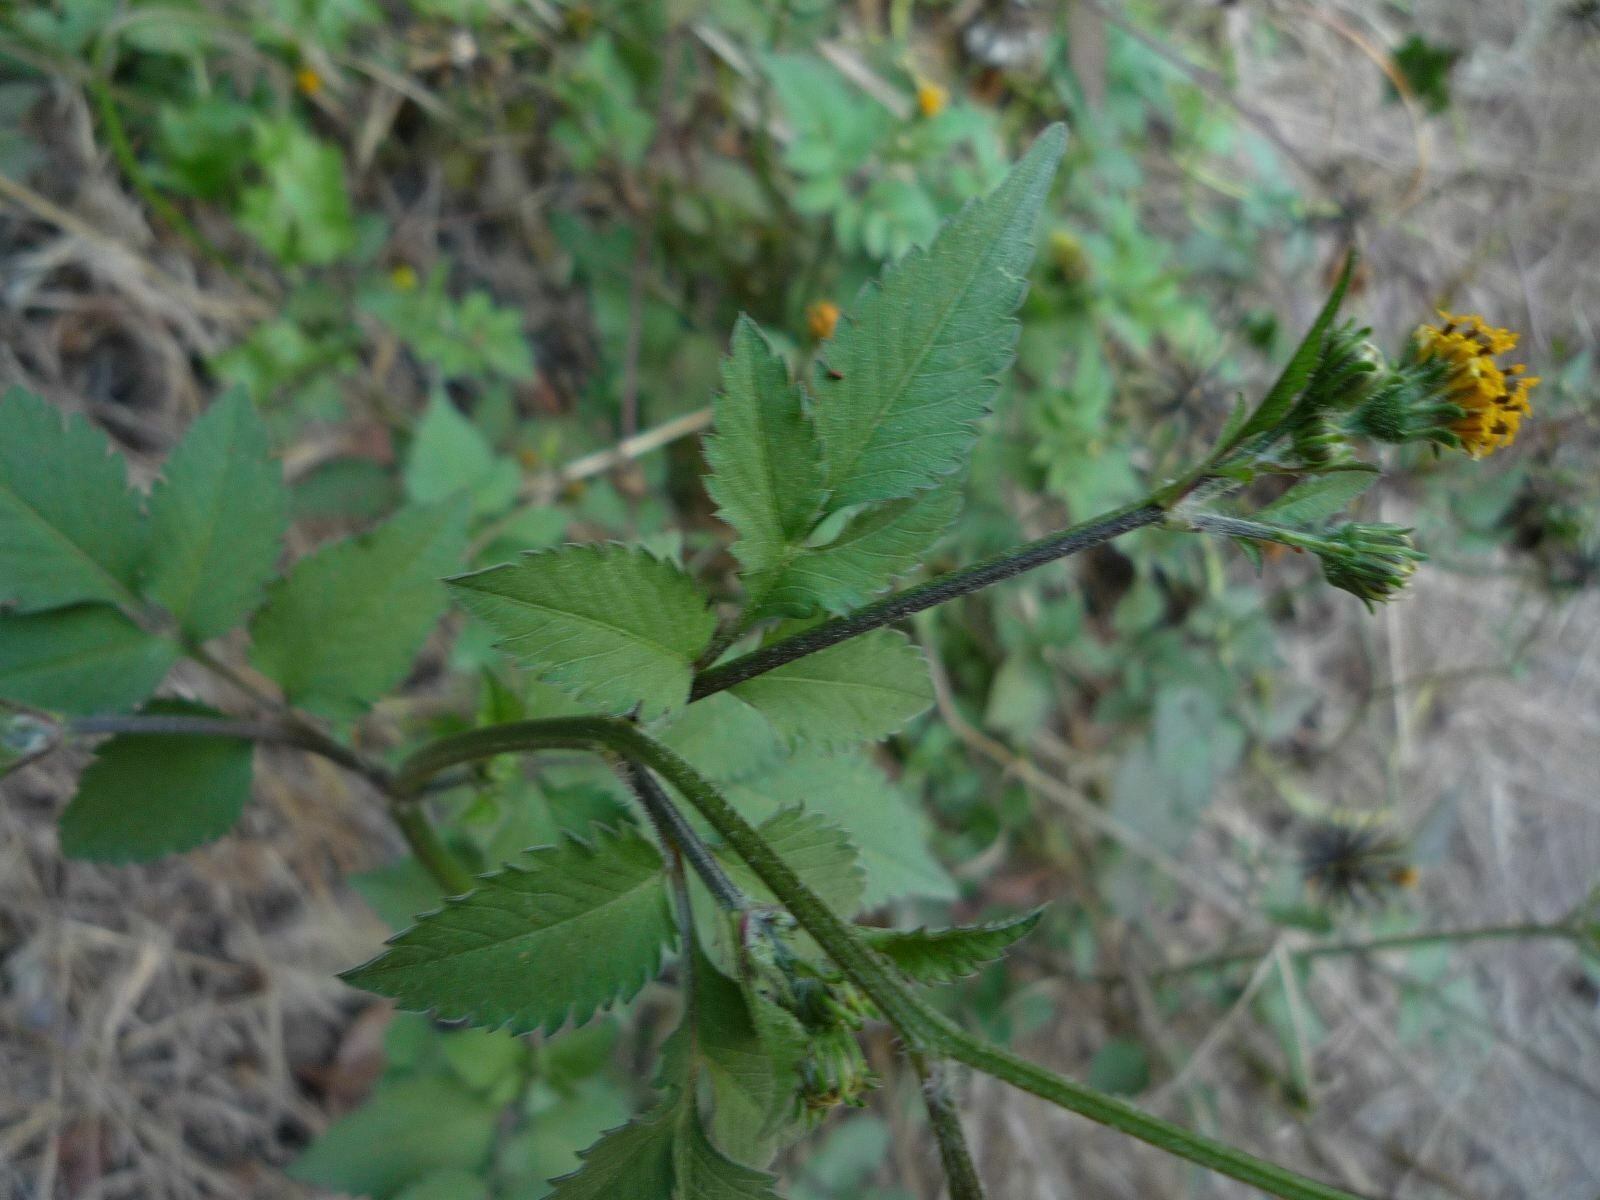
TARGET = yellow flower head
x,y
1493,400
822,317
931,98
403,278
308,81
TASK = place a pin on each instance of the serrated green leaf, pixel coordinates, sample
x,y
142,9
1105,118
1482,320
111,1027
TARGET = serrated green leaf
x,y
946,955
702,1172
634,1162
449,454
569,929
70,529
816,849
878,544
915,366
80,660
766,471
858,691
345,624
216,520
146,795
407,1128
563,1123
607,623
1275,406
1312,501
851,791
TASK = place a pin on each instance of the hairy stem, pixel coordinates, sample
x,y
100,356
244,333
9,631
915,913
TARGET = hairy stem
x,y
923,1030
1107,1110
946,1124
681,837
994,570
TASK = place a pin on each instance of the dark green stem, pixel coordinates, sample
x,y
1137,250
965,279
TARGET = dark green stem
x,y
923,1030
1107,1110
938,591
430,851
681,837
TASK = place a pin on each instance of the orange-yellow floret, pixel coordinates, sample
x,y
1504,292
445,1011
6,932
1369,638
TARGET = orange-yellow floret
x,y
931,98
822,317
1493,400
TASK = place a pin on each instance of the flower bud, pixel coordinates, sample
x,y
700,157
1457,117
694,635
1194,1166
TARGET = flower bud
x,y
1373,562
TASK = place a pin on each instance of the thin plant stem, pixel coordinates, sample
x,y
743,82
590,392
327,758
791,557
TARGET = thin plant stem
x,y
945,1122
681,837
280,733
938,591
431,851
1519,931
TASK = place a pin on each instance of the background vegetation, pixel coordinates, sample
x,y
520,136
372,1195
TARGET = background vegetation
x,y
497,248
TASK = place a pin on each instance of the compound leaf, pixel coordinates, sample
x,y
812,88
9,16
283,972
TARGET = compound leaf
x,y
216,520
909,375
70,529
85,659
946,955
766,475
608,623
345,624
856,691
570,929
146,795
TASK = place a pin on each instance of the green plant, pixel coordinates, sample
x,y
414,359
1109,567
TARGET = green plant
x,y
835,485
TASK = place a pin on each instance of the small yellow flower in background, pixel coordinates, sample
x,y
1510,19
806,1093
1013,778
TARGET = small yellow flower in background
x,y
1494,400
1067,253
403,278
308,81
931,98
822,317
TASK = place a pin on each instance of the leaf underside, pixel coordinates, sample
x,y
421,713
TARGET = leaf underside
x,y
857,691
